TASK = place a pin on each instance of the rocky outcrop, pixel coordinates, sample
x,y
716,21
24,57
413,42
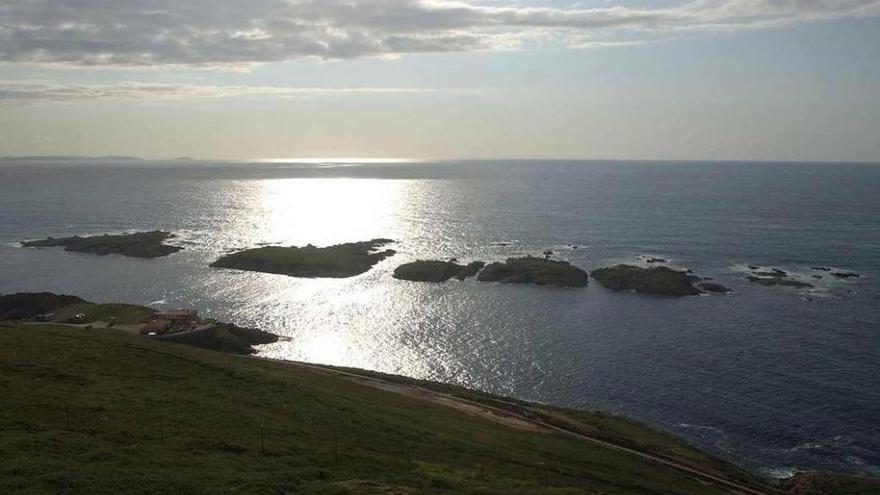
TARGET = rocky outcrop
x,y
845,274
137,245
436,270
660,280
532,270
713,287
339,261
778,281
224,337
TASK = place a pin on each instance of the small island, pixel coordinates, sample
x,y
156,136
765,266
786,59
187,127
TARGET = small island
x,y
338,261
532,270
660,281
436,270
136,245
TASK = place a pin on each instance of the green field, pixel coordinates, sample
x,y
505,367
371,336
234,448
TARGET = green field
x,y
100,411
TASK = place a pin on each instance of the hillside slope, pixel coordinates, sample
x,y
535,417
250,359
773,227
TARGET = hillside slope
x,y
100,411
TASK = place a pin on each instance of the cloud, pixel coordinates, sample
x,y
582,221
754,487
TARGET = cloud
x,y
13,92
240,32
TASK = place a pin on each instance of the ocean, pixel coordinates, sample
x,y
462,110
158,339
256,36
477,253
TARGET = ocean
x,y
773,378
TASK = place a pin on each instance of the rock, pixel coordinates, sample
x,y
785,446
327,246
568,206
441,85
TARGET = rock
x,y
224,337
845,274
339,261
532,270
137,245
821,268
574,246
775,272
785,282
436,271
754,267
660,280
652,260
714,287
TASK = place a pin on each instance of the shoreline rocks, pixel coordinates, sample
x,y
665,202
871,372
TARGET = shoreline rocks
x,y
338,261
136,245
224,337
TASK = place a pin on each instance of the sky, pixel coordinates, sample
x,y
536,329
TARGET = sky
x,y
435,79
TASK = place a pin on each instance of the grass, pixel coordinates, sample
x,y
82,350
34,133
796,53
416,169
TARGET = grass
x,y
609,427
100,411
124,313
338,261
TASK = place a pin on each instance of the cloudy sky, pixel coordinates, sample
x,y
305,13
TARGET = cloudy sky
x,y
667,79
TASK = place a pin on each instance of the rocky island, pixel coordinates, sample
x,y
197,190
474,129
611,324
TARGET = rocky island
x,y
436,270
660,280
338,261
136,245
532,270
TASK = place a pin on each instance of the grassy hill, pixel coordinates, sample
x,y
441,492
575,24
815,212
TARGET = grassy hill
x,y
100,411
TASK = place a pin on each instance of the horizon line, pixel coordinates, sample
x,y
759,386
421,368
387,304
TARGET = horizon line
x,y
411,160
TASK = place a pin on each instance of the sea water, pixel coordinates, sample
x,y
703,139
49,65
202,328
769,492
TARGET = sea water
x,y
774,378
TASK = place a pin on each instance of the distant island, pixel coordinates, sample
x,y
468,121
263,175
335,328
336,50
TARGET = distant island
x,y
136,245
338,261
51,158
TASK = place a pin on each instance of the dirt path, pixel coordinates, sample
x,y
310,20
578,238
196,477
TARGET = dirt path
x,y
527,423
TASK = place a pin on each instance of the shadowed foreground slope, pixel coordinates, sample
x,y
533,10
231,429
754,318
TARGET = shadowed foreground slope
x,y
105,412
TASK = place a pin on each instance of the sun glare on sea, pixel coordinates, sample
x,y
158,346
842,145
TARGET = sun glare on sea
x,y
339,161
329,211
